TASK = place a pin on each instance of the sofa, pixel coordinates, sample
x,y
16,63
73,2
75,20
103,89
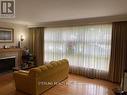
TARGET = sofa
x,y
39,79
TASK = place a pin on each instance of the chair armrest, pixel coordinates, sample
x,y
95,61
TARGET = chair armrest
x,y
24,71
23,82
21,74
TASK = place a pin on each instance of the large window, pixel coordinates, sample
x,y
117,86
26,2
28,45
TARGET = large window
x,y
84,46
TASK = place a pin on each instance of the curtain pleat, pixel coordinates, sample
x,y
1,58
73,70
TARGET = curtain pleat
x,y
36,43
118,51
86,47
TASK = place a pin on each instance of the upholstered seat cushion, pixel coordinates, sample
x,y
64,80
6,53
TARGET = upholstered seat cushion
x,y
29,82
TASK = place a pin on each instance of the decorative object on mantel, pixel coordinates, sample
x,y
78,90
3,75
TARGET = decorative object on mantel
x,y
8,47
6,35
19,44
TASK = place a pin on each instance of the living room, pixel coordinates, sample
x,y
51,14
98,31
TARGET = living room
x,y
63,47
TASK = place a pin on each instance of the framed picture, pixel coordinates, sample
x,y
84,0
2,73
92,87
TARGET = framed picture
x,y
6,35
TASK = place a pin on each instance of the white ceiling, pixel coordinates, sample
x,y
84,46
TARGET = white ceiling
x,y
39,11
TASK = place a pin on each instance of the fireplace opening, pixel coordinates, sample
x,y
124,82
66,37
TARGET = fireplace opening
x,y
7,63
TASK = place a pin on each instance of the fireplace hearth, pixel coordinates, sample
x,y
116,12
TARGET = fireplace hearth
x,y
7,63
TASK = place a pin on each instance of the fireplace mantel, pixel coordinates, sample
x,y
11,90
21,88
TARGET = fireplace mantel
x,y
12,52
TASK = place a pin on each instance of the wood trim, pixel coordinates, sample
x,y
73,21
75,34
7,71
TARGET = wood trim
x,y
10,49
12,35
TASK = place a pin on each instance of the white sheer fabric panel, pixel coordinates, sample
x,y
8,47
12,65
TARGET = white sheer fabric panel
x,y
84,46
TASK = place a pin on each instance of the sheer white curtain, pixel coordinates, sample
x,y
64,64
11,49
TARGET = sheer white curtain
x,y
86,47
